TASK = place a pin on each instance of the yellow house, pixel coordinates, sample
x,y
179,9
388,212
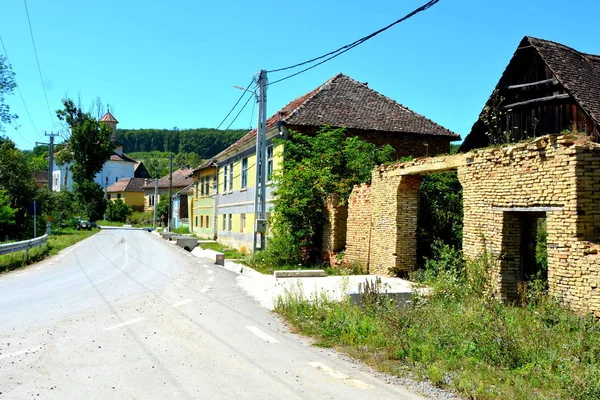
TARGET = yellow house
x,y
202,204
130,191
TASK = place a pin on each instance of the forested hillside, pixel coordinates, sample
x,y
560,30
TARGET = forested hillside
x,y
205,142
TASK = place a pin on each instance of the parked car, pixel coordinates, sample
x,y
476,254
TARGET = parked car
x,y
84,224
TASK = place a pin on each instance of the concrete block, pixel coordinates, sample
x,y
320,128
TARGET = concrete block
x,y
300,273
186,242
168,235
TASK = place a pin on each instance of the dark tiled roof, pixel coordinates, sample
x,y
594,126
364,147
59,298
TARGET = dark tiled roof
x,y
578,72
122,157
342,101
181,178
127,185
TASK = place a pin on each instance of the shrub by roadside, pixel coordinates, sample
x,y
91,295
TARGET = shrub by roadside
x,y
464,339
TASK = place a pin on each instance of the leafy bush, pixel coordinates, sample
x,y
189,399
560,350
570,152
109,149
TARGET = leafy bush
x,y
281,251
118,211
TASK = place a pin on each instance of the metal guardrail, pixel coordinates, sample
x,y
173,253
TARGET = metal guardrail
x,y
24,245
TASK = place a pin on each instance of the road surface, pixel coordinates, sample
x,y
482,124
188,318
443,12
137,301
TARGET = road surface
x,y
125,315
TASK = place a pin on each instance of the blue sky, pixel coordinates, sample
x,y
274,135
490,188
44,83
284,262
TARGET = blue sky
x,y
165,64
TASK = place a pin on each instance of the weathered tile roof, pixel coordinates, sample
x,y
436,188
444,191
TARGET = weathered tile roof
x,y
578,72
342,101
127,185
181,178
108,117
122,157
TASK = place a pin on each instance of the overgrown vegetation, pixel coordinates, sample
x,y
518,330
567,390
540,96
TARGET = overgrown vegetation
x,y
460,337
314,167
58,240
227,251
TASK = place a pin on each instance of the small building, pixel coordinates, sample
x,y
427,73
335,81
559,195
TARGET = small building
x,y
546,88
202,204
118,166
130,191
180,181
339,102
181,207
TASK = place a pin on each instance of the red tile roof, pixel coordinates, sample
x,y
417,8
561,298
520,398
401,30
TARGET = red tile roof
x,y
108,117
342,101
181,178
127,185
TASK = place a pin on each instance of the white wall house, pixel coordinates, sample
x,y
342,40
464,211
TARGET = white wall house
x,y
118,166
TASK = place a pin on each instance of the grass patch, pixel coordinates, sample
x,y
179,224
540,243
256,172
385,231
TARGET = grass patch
x,y
58,240
462,339
227,251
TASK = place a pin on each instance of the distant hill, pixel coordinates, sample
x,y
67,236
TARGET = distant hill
x,y
205,142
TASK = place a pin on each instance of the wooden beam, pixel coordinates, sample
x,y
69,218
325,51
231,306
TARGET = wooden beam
x,y
524,85
538,100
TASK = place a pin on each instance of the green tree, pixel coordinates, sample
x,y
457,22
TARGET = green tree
x,y
118,211
313,168
16,179
90,146
7,86
7,213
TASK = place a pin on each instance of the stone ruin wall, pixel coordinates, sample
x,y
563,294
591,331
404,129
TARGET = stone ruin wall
x,y
334,228
556,175
359,226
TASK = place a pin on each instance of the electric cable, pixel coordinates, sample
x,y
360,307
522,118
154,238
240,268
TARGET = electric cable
x,y
38,61
20,93
237,102
242,109
345,48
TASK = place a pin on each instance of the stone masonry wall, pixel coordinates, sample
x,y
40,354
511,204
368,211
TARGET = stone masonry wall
x,y
358,226
554,174
556,177
334,228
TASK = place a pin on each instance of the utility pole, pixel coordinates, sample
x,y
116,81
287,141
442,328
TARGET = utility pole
x,y
170,191
50,145
155,199
260,196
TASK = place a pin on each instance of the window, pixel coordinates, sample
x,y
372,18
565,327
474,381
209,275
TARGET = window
x,y
269,163
197,221
196,188
116,179
207,224
224,221
225,175
207,186
150,200
229,223
231,177
242,223
118,195
244,172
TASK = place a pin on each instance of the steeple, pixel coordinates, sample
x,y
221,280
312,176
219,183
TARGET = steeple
x,y
110,120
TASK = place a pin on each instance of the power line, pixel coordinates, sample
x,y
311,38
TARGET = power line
x,y
345,48
236,103
242,109
38,61
21,94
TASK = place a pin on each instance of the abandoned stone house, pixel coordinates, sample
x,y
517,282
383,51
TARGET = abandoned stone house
x,y
505,191
546,88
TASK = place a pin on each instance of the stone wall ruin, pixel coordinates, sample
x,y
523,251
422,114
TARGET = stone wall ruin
x,y
505,190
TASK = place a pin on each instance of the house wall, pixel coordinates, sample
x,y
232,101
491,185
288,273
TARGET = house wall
x,y
556,176
238,203
133,199
202,205
112,170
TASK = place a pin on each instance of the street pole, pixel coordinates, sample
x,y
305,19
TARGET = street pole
x,y
34,219
155,199
261,165
52,135
170,191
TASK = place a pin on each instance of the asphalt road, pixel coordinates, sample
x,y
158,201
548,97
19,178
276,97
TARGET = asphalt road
x,y
124,315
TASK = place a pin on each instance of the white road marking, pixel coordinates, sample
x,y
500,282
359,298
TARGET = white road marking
x,y
204,289
21,274
100,281
133,321
210,271
18,353
182,302
211,278
339,375
262,335
38,268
